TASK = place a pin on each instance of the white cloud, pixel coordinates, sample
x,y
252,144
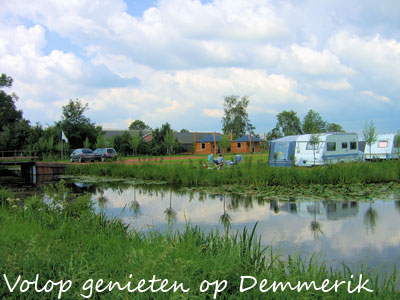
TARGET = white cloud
x,y
376,56
213,113
377,97
333,85
181,57
314,62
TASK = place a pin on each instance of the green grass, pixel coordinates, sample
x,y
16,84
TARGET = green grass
x,y
248,173
197,158
67,241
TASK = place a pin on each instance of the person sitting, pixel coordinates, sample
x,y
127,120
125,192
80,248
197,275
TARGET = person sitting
x,y
220,161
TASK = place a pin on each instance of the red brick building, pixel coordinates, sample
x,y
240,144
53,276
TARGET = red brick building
x,y
246,144
208,144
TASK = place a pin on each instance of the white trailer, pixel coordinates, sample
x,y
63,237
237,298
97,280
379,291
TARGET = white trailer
x,y
383,148
314,149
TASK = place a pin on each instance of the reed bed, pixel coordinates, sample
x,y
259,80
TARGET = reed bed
x,y
65,240
256,174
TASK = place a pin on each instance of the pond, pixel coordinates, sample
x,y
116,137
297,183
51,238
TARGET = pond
x,y
357,233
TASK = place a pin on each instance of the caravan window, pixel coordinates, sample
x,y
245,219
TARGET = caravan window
x,y
331,146
282,150
353,145
344,145
382,144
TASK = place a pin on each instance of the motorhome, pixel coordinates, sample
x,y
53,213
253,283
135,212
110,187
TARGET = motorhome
x,y
383,148
314,149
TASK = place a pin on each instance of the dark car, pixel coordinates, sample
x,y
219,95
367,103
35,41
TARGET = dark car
x,y
82,155
101,154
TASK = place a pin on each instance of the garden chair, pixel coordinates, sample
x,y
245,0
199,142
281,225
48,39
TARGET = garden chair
x,y
235,161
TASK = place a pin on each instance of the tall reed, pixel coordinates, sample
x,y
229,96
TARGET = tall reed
x,y
257,174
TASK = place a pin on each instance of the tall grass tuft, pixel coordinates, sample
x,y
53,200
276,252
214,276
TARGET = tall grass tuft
x,y
257,174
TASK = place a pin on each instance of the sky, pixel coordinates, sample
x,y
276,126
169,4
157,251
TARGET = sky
x,y
175,60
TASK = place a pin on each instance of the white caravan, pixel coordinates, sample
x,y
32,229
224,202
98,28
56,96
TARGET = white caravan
x,y
300,150
383,148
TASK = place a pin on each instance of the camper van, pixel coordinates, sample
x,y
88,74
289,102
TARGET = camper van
x,y
383,148
317,149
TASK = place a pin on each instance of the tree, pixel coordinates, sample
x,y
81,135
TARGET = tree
x,y
139,125
76,126
313,123
134,142
101,141
314,142
14,129
288,123
274,134
370,135
169,140
158,145
236,118
86,143
110,142
225,142
333,127
397,143
122,143
5,81
183,130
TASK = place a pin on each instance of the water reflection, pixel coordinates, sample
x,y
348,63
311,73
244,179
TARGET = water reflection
x,y
349,231
225,218
397,205
170,213
370,218
135,205
315,226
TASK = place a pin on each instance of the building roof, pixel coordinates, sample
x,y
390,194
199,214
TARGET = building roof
x,y
246,138
116,132
188,137
210,138
306,137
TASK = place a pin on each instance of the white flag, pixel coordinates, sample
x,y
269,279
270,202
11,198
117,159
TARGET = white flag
x,y
63,137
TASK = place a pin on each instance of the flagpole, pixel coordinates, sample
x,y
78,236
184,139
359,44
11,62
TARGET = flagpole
x,y
62,152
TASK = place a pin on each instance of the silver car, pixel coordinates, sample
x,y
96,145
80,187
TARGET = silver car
x,y
101,154
82,155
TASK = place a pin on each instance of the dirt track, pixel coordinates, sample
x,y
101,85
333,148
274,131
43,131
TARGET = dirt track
x,y
136,160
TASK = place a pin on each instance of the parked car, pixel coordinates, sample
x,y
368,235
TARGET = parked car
x,y
101,154
82,155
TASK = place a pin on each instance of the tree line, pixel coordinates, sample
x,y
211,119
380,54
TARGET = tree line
x,y
236,121
16,133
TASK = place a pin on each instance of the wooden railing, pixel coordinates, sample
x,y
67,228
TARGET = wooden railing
x,y
17,154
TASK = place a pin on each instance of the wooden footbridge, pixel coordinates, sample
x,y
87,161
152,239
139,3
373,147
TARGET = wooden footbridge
x,y
29,164
37,167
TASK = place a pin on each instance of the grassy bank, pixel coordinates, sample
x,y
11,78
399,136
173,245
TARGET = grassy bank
x,y
67,241
257,174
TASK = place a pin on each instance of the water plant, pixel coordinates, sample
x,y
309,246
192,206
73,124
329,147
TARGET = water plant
x,y
257,174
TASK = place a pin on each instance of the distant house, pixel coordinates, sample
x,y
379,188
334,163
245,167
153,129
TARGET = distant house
x,y
246,144
188,139
208,144
147,135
